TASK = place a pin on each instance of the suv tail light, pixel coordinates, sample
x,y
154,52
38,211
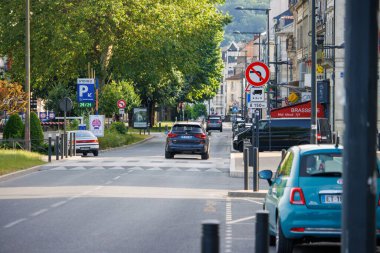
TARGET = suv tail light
x,y
319,137
172,135
208,121
297,197
201,136
219,121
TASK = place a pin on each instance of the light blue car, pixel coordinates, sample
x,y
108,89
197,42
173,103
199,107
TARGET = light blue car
x,y
305,196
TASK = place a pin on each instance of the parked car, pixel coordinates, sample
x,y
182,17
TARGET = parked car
x,y
86,142
304,199
240,127
214,122
187,138
282,133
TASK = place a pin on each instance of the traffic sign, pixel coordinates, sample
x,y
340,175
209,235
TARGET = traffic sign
x,y
86,90
257,74
257,94
66,104
121,104
121,111
257,105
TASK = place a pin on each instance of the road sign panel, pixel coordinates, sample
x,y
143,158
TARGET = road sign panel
x,y
257,94
257,105
257,74
121,111
86,90
121,104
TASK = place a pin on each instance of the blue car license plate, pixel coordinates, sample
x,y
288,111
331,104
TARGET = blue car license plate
x,y
331,199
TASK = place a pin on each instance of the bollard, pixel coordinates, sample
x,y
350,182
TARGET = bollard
x,y
255,169
283,153
56,147
262,232
71,145
245,159
62,146
49,149
210,236
74,146
159,127
65,144
378,141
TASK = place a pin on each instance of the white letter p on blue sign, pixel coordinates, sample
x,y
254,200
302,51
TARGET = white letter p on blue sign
x,y
82,90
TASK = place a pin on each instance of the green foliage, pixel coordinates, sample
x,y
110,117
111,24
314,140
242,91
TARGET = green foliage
x,y
36,132
56,94
112,92
114,139
199,110
74,125
14,129
119,127
244,21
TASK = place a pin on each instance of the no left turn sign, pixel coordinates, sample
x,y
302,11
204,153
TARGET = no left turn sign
x,y
257,74
121,104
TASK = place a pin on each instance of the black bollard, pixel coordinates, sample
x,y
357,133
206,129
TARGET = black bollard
x,y
65,144
210,236
262,232
255,169
71,144
49,149
246,176
74,145
62,146
56,147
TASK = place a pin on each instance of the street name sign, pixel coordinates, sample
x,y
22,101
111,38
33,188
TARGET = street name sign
x,y
257,74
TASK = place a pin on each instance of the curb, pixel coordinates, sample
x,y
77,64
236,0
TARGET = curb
x,y
247,193
20,173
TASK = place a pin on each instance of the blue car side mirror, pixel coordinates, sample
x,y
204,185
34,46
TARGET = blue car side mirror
x,y
266,174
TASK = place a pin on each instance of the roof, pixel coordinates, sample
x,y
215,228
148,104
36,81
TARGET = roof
x,y
193,123
318,147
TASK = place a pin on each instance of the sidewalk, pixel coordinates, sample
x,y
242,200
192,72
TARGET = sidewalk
x,y
267,161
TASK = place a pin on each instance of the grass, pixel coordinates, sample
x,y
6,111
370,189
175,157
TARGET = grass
x,y
15,160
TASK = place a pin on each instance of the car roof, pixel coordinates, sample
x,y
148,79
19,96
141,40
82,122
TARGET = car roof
x,y
317,147
187,123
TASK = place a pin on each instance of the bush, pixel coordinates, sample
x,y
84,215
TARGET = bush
x,y
119,127
115,139
14,129
36,133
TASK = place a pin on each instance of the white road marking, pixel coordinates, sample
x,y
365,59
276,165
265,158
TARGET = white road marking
x,y
60,203
39,212
116,178
14,223
242,219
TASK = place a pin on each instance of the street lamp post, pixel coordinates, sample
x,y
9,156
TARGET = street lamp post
x,y
27,77
266,10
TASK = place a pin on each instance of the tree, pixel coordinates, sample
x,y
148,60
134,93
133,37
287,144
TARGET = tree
x,y
56,94
12,97
14,129
36,132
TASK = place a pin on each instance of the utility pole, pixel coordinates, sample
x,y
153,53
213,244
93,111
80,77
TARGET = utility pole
x,y
313,129
360,117
268,59
27,76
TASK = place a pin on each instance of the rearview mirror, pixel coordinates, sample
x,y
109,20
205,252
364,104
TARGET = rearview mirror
x,y
266,174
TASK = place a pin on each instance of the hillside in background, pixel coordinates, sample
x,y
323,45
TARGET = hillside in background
x,y
244,21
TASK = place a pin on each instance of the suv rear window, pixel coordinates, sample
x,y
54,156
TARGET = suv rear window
x,y
186,128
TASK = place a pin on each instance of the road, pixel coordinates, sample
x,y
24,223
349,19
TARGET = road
x,y
129,200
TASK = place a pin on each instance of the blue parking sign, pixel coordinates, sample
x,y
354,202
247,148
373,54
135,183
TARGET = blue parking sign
x,y
86,90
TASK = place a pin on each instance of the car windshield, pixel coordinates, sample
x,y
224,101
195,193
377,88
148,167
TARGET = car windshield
x,y
322,164
178,129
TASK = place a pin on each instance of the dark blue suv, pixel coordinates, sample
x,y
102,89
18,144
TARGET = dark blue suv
x,y
187,138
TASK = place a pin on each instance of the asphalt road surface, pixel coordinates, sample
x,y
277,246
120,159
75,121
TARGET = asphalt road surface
x,y
129,200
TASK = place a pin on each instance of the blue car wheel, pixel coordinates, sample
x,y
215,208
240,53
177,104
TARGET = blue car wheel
x,y
283,244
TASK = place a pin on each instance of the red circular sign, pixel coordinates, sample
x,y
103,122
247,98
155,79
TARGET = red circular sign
x,y
257,74
121,103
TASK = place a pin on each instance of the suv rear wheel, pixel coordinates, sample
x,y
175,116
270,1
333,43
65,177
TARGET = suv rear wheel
x,y
168,155
205,156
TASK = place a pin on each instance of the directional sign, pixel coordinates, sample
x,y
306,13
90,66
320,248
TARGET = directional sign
x,y
257,74
121,104
86,90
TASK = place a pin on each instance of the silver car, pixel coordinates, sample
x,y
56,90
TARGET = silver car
x,y
214,122
86,142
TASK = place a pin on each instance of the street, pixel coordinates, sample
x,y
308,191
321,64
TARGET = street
x,y
130,200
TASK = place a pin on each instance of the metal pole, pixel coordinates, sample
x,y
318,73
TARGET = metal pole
x,y
56,147
62,145
268,59
65,144
27,77
245,160
259,46
74,145
255,169
262,232
49,149
257,140
360,116
71,145
313,129
210,236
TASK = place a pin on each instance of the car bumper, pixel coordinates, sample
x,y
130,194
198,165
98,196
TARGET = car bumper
x,y
83,149
185,149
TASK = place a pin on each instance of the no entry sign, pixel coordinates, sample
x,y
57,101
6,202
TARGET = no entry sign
x,y
257,74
